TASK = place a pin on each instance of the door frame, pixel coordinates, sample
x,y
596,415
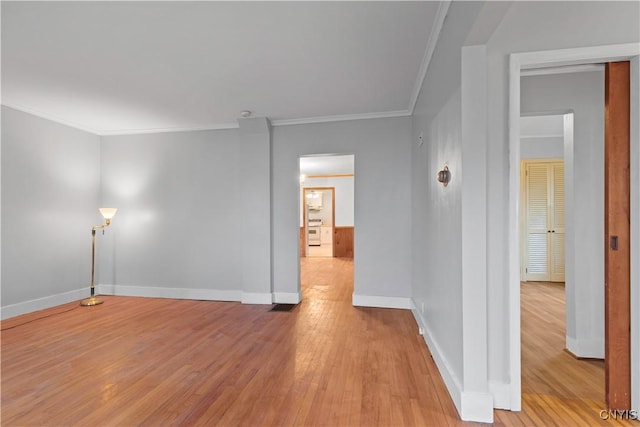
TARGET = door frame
x,y
561,57
333,216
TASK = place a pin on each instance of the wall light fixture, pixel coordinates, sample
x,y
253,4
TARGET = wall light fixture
x,y
444,176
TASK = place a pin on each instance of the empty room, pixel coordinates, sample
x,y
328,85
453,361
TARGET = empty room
x,y
320,213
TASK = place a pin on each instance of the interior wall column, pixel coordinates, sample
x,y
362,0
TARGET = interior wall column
x,y
477,401
255,186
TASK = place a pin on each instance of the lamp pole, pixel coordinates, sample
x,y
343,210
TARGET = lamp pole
x,y
108,213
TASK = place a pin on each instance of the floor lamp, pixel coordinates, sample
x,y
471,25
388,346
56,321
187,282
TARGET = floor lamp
x,y
107,213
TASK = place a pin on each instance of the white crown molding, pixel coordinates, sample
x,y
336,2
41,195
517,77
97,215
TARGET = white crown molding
x,y
443,8
214,126
51,118
341,118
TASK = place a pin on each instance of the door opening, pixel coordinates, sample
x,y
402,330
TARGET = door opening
x,y
327,215
536,60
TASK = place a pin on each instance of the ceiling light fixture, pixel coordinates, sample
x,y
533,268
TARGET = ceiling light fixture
x,y
245,113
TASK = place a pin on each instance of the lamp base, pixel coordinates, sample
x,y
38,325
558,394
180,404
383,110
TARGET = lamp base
x,y
90,302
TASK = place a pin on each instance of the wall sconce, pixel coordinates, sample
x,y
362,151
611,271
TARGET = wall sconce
x,y
302,178
107,213
444,176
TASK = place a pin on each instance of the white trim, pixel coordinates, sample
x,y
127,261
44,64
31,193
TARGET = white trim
x,y
340,118
585,349
514,234
441,14
30,306
501,394
584,68
517,62
450,379
525,136
577,56
476,406
175,293
51,118
287,297
212,126
381,302
256,298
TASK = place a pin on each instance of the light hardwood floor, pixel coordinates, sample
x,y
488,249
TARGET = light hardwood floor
x,y
143,361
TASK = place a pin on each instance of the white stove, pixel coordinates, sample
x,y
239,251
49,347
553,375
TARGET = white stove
x,y
313,231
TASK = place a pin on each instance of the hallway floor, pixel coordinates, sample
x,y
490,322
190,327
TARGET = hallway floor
x,y
156,361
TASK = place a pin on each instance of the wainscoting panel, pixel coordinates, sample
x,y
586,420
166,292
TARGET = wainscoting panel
x,y
343,242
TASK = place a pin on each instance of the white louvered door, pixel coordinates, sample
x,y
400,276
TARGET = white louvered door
x,y
544,210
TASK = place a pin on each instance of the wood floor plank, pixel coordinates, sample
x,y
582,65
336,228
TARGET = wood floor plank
x,y
155,362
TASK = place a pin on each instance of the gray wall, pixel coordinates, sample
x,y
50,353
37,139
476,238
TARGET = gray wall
x,y
437,244
382,257
547,147
183,199
179,223
50,188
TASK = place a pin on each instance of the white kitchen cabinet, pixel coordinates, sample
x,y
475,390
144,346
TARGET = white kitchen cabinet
x,y
326,235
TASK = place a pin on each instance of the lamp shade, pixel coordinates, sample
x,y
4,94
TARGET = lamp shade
x,y
108,213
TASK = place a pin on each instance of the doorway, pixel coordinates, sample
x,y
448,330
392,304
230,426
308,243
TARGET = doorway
x,y
326,211
542,189
578,56
547,367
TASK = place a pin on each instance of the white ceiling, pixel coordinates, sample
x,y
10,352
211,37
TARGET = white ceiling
x,y
541,126
327,165
123,67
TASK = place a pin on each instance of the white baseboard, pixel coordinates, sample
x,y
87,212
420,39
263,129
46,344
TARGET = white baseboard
x,y
477,407
501,394
30,306
588,349
176,293
256,298
381,302
287,297
186,293
471,406
451,381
